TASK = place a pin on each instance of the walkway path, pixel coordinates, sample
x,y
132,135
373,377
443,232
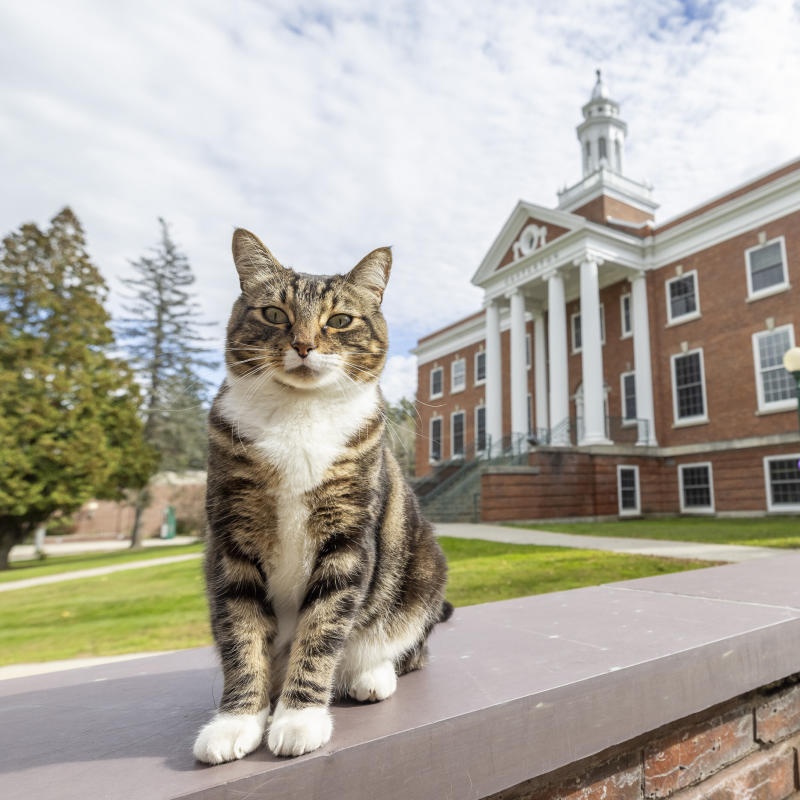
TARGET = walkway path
x,y
640,547
494,533
94,572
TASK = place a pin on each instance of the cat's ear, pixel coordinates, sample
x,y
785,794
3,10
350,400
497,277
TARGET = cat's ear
x,y
372,272
251,256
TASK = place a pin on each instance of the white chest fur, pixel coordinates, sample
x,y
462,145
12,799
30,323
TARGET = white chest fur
x,y
301,434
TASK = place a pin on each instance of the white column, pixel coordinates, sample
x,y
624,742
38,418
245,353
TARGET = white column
x,y
519,367
643,376
540,371
594,415
494,379
557,339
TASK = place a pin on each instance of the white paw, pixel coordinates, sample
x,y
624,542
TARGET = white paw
x,y
375,684
295,731
230,736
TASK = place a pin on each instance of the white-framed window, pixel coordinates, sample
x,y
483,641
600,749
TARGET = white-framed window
x,y
626,320
530,414
480,367
480,429
689,388
628,490
766,269
683,299
437,382
628,394
577,333
528,350
696,488
782,476
458,375
458,421
775,387
436,439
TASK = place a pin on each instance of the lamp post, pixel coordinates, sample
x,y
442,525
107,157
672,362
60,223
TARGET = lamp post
x,y
791,360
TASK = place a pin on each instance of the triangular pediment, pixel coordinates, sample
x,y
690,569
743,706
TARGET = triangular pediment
x,y
528,229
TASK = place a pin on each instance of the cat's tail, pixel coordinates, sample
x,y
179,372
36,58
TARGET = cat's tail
x,y
446,611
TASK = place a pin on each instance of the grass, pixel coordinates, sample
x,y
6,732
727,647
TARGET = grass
x,y
164,608
756,531
481,572
160,608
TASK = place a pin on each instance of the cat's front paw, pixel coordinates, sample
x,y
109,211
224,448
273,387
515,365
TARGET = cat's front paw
x,y
374,684
295,731
230,736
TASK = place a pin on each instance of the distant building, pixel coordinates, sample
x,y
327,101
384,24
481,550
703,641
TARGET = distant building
x,y
639,363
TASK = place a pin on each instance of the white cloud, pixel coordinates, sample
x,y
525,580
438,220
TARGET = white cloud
x,y
399,378
333,128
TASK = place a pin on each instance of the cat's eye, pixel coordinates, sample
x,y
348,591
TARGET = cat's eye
x,y
275,315
339,321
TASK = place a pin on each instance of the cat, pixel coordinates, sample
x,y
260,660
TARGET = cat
x,y
323,578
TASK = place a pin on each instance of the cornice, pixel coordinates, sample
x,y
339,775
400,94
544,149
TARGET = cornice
x,y
719,223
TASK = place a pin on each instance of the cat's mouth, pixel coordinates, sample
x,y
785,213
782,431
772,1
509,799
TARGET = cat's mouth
x,y
307,373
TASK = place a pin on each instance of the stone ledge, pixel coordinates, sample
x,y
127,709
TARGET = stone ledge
x,y
514,690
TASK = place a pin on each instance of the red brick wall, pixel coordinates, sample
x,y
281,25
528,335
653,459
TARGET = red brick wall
x,y
724,332
116,519
603,207
569,483
746,749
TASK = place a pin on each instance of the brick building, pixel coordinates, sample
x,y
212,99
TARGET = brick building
x,y
637,365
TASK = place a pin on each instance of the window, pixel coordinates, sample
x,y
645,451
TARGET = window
x,y
775,387
682,301
625,316
458,375
480,429
480,367
577,341
783,483
457,421
436,439
628,490
688,388
577,333
696,488
766,269
528,350
628,385
437,381
602,151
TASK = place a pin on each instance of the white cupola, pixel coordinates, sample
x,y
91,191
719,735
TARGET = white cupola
x,y
602,132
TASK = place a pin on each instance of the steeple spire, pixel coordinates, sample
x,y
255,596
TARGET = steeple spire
x,y
602,133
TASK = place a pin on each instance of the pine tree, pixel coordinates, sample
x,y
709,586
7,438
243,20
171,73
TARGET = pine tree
x,y
162,336
69,423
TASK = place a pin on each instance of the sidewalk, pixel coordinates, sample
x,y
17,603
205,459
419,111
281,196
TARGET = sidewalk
x,y
639,547
24,552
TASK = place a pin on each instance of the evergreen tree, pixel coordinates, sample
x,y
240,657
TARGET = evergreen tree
x,y
69,423
162,336
401,419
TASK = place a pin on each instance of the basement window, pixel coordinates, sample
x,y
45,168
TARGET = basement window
x,y
628,490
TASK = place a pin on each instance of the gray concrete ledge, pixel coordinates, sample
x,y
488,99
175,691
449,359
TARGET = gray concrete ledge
x,y
514,690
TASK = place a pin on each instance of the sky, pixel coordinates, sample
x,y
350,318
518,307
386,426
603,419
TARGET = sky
x,y
333,128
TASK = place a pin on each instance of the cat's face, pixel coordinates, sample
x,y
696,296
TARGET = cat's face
x,y
306,332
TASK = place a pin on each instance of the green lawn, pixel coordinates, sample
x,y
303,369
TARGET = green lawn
x,y
164,608
758,531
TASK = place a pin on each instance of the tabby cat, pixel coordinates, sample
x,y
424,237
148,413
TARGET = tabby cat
x,y
323,578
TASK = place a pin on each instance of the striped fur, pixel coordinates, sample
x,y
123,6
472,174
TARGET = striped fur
x,y
323,579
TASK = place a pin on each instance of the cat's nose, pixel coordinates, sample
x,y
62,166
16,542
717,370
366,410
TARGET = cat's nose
x,y
302,348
